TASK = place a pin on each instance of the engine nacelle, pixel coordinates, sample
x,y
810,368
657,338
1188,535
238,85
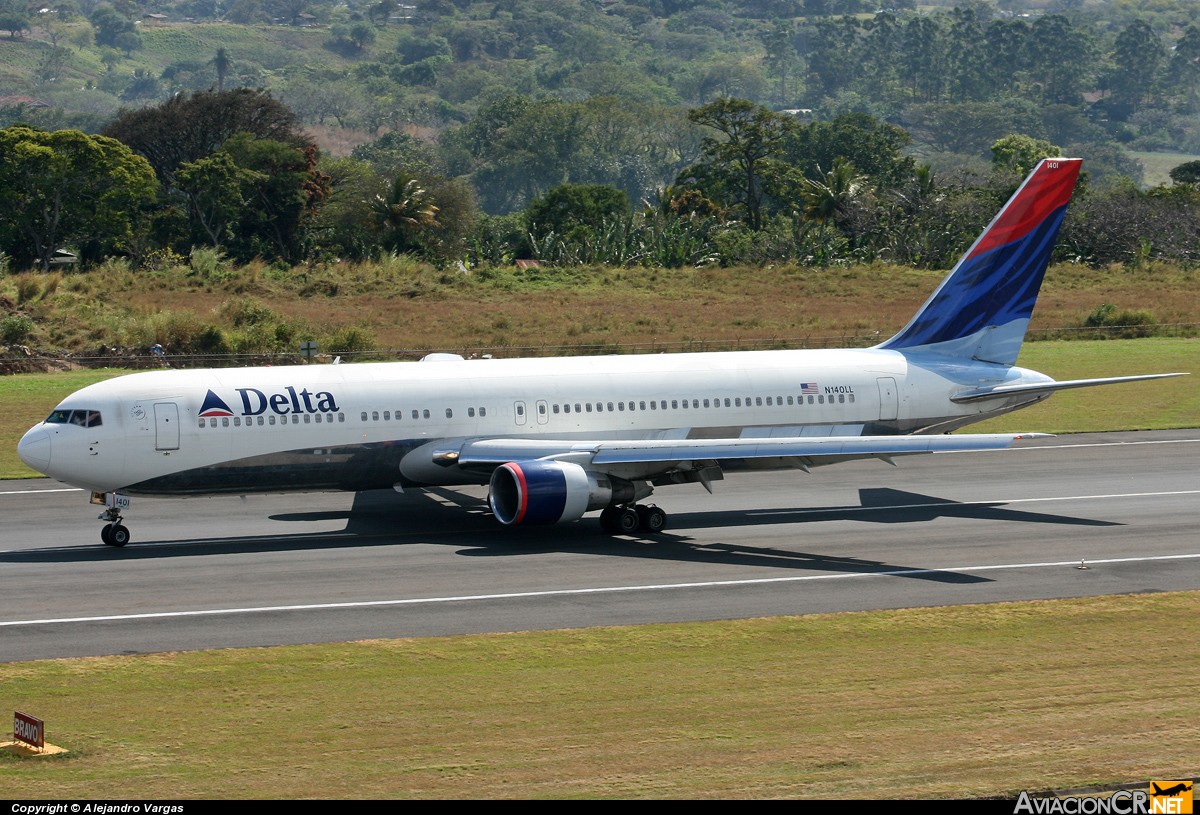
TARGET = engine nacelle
x,y
550,492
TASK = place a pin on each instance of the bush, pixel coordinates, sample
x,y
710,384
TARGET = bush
x,y
15,329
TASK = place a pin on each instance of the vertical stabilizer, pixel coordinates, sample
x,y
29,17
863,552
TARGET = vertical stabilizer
x,y
982,308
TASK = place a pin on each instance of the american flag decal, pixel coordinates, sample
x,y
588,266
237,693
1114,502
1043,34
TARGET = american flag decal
x,y
808,387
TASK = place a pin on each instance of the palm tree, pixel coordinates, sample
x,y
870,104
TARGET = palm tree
x,y
405,212
222,63
831,198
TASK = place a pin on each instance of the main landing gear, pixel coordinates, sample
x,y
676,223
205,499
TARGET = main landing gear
x,y
631,518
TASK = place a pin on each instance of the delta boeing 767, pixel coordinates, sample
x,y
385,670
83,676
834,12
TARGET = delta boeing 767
x,y
557,438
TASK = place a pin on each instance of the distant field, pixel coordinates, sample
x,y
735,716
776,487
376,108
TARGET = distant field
x,y
1159,165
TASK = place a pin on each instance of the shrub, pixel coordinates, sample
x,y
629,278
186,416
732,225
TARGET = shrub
x,y
15,329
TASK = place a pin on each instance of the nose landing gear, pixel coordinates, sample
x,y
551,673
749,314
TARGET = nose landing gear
x,y
113,533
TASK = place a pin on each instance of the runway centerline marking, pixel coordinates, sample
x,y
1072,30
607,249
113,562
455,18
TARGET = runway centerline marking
x,y
161,615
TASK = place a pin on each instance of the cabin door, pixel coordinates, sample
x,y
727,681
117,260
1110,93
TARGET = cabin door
x,y
888,399
166,426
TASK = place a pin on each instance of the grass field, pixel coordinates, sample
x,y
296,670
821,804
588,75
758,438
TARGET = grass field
x,y
1158,165
924,703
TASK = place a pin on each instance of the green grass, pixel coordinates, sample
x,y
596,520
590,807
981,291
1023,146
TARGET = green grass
x,y
1161,405
919,703
26,399
1159,165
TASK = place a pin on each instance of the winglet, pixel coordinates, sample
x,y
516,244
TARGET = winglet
x,y
982,309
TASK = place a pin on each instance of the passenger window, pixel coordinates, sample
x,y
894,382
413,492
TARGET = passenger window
x,y
271,419
387,416
851,398
642,405
416,415
425,414
237,422
374,415
362,416
556,408
470,413
225,421
483,411
307,418
541,408
610,407
449,413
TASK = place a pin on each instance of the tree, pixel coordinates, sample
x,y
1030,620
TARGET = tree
x,y
67,187
113,28
404,213
216,190
751,137
571,208
1019,154
190,127
1186,173
223,64
281,198
1138,54
15,21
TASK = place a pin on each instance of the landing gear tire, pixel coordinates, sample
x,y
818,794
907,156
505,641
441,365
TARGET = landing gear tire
x,y
653,519
114,535
626,520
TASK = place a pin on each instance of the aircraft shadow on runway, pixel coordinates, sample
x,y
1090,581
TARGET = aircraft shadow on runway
x,y
441,516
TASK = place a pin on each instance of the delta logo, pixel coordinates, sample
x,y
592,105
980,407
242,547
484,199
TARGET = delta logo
x,y
256,402
214,406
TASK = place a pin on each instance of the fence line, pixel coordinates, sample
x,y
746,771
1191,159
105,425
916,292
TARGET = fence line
x,y
23,359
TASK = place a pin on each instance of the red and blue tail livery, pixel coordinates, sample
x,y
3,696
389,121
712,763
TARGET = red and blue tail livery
x,y
982,308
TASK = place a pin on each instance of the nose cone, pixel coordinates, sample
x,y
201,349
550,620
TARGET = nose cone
x,y
34,449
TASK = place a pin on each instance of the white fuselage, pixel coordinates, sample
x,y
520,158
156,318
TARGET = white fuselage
x,y
375,425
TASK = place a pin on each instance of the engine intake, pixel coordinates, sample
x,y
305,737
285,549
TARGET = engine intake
x,y
550,492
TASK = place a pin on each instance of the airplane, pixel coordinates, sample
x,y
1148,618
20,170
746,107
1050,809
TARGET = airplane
x,y
1169,792
557,438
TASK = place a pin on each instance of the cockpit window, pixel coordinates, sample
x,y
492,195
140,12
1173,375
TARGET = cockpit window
x,y
83,418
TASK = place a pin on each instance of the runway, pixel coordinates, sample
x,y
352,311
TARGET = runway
x,y
1066,517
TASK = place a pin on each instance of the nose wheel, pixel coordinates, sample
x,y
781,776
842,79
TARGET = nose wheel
x,y
114,532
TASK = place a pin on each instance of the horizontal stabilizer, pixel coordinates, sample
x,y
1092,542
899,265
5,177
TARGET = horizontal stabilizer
x,y
978,394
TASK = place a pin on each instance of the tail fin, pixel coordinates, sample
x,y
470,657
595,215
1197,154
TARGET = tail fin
x,y
983,307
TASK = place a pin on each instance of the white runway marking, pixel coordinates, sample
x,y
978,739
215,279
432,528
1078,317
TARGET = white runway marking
x,y
578,592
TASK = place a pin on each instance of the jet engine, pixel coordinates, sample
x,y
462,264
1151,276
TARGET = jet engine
x,y
550,492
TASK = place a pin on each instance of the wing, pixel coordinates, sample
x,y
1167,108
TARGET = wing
x,y
648,458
